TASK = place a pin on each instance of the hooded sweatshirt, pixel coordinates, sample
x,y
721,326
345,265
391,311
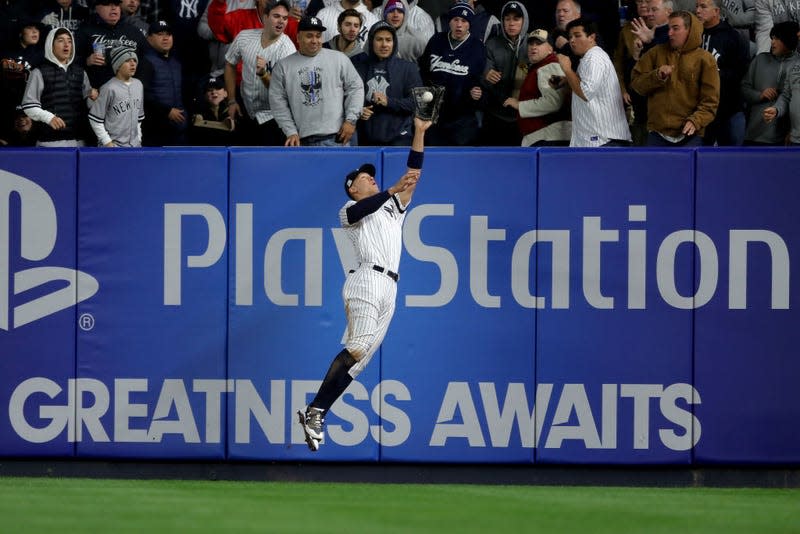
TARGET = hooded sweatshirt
x,y
409,43
57,89
504,54
97,34
394,77
691,92
70,18
766,70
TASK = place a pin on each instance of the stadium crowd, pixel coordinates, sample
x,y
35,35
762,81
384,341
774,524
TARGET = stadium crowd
x,y
341,72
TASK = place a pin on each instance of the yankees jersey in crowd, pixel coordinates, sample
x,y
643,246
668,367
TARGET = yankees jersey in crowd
x,y
118,112
246,47
456,66
601,117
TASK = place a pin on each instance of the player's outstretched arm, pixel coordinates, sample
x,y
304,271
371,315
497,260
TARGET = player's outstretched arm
x,y
415,157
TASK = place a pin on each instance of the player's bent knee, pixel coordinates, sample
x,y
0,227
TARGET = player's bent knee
x,y
357,351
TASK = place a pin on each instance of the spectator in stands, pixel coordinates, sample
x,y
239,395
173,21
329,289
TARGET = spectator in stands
x,y
58,94
226,18
416,20
116,116
681,83
543,118
566,12
349,23
654,29
456,60
211,125
12,14
732,53
99,35
216,48
765,81
21,133
316,94
740,14
131,15
482,25
28,49
258,51
788,102
64,14
598,113
329,15
409,42
627,53
387,115
160,71
504,54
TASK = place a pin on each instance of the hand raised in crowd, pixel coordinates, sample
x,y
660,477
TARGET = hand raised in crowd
x,y
561,42
640,30
769,94
96,59
494,76
380,98
565,62
638,45
664,72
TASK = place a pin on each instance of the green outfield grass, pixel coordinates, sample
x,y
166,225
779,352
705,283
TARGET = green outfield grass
x,y
84,505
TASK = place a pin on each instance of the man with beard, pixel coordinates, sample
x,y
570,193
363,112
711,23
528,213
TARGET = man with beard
x,y
316,93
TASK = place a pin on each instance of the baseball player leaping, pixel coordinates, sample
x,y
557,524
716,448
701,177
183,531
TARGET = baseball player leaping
x,y
373,220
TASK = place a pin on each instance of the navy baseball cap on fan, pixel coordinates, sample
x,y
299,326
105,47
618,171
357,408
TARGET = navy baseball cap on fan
x,y
158,27
310,24
368,168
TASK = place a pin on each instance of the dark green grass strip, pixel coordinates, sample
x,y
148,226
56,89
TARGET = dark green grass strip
x,y
90,505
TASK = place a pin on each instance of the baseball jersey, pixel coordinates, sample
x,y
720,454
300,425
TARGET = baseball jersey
x,y
247,48
378,237
117,113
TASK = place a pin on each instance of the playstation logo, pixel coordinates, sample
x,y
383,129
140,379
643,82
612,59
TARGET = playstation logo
x,y
38,230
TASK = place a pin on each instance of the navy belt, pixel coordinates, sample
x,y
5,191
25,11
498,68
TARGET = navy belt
x,y
391,274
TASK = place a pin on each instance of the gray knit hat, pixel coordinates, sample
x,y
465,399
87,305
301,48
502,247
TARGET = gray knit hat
x,y
120,55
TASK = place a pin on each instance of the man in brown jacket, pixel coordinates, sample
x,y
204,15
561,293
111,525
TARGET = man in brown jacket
x,y
681,83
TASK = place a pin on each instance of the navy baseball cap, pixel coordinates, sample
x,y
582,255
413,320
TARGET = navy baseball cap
x,y
310,24
368,168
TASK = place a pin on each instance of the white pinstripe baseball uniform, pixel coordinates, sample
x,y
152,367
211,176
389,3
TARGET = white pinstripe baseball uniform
x,y
369,294
601,118
246,47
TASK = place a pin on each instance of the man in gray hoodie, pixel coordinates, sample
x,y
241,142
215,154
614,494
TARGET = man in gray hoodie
x,y
764,82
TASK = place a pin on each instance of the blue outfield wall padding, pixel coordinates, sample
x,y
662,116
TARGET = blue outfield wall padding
x,y
152,231
457,370
288,260
609,306
613,354
746,364
37,296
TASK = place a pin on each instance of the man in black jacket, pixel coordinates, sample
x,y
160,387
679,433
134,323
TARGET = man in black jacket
x,y
732,53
